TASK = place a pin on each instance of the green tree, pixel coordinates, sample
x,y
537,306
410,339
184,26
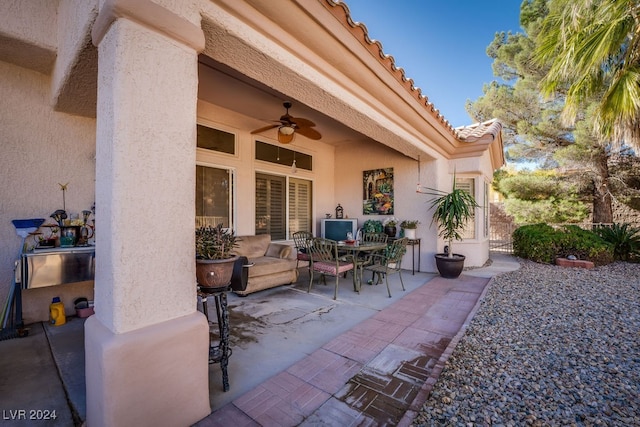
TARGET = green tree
x,y
593,49
540,196
534,127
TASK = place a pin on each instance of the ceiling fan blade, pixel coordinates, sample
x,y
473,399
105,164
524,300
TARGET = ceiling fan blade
x,y
309,133
265,128
300,122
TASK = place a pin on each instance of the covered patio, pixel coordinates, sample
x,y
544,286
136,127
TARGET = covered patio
x,y
107,96
285,339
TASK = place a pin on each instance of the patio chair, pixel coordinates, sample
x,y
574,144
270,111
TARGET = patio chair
x,y
366,258
388,262
324,259
300,241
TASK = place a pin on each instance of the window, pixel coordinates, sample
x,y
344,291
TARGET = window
x,y
214,189
283,156
468,185
273,195
216,140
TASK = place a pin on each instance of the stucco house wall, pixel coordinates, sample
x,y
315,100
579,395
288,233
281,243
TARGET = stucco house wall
x,y
476,250
353,159
41,149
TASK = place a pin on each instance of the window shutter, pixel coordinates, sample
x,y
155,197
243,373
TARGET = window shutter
x,y
299,205
468,185
485,209
270,206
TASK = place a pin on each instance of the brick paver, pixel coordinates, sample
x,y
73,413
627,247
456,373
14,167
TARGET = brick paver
x,y
377,373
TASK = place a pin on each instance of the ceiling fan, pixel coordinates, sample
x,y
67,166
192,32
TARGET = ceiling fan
x,y
288,126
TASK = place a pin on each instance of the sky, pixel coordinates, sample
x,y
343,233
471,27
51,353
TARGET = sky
x,y
440,44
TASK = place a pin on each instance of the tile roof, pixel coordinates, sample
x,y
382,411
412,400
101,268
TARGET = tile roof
x,y
469,133
486,131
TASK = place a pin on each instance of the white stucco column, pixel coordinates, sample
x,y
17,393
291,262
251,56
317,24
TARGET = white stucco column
x,y
147,345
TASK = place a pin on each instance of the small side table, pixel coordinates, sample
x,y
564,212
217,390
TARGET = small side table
x,y
218,353
413,243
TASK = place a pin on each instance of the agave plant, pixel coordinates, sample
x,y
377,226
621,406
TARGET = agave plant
x,y
214,242
624,238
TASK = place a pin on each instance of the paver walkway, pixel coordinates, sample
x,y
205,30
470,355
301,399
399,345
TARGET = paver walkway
x,y
378,373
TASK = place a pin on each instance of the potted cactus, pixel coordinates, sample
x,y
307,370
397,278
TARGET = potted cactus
x,y
214,258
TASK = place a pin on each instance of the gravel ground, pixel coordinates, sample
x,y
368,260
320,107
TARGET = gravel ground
x,y
548,346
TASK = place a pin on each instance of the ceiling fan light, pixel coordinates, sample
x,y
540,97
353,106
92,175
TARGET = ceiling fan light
x,y
284,138
286,130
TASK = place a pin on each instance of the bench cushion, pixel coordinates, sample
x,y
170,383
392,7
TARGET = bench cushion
x,y
252,246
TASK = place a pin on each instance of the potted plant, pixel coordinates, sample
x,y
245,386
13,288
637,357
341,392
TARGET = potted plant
x,y
409,226
372,226
390,226
50,240
451,212
214,259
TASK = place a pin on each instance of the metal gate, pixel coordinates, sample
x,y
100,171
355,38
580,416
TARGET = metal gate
x,y
500,239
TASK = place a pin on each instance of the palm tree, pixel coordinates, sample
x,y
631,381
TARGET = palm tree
x,y
593,48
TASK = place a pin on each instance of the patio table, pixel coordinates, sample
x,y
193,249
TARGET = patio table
x,y
354,249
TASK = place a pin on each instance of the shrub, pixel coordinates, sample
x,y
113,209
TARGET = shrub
x,y
584,244
542,243
535,242
624,239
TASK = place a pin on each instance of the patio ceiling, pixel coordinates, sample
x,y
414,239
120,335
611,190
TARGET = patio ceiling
x,y
330,70
306,54
230,89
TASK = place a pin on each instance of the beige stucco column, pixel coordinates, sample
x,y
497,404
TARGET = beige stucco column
x,y
147,345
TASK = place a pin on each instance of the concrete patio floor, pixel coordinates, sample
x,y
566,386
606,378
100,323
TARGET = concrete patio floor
x,y
298,358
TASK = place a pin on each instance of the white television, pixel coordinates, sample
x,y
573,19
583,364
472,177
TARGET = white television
x,y
337,229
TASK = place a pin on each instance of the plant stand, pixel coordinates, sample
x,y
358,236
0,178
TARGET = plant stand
x,y
221,352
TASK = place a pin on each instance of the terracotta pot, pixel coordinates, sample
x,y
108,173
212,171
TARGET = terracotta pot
x,y
450,268
214,273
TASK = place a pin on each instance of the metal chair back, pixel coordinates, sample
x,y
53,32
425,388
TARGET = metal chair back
x,y
301,241
325,259
389,262
395,251
375,237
